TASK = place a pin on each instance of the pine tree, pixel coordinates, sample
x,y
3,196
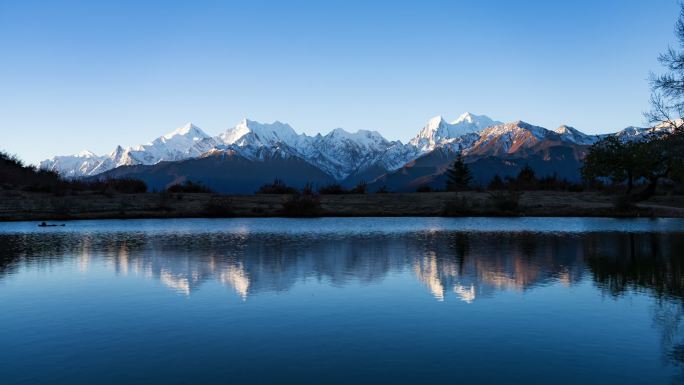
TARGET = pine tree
x,y
496,183
458,175
526,179
527,175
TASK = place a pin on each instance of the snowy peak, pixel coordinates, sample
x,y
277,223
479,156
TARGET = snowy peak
x,y
178,141
465,117
566,130
188,130
467,123
515,128
117,152
261,133
71,166
637,133
437,131
176,145
364,138
480,121
435,124
574,135
86,154
508,138
339,153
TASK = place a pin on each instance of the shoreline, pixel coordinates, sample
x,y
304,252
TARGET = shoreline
x,y
25,206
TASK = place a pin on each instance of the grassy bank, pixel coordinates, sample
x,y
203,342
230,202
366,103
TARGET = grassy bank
x,y
21,205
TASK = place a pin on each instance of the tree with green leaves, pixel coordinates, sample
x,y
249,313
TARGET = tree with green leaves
x,y
627,162
614,159
458,175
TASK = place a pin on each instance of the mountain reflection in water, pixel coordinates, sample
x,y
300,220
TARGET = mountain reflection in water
x,y
465,267
468,266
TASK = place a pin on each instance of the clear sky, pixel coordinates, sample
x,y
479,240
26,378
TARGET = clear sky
x,y
93,74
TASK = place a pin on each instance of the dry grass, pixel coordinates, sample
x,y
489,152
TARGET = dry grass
x,y
16,205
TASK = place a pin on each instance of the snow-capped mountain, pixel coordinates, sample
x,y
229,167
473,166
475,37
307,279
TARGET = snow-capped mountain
x,y
503,139
631,132
344,156
636,133
338,153
437,132
509,138
253,140
71,166
249,132
176,145
575,136
172,146
501,150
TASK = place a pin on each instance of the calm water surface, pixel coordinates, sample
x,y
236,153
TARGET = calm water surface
x,y
401,300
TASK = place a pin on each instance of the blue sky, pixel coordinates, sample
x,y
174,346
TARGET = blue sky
x,y
89,75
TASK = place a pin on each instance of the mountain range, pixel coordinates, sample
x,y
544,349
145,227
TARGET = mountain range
x,y
249,154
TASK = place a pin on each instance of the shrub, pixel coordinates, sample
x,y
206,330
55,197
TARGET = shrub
x,y
424,189
337,189
359,188
678,188
119,185
332,189
382,190
553,183
624,203
277,187
219,208
301,205
496,183
526,179
130,186
14,173
188,187
164,201
308,189
527,175
505,201
457,206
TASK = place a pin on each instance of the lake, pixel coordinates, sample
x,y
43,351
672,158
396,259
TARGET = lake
x,y
343,300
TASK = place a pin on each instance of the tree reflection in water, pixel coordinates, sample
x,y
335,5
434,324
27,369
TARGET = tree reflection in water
x,y
468,266
651,263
